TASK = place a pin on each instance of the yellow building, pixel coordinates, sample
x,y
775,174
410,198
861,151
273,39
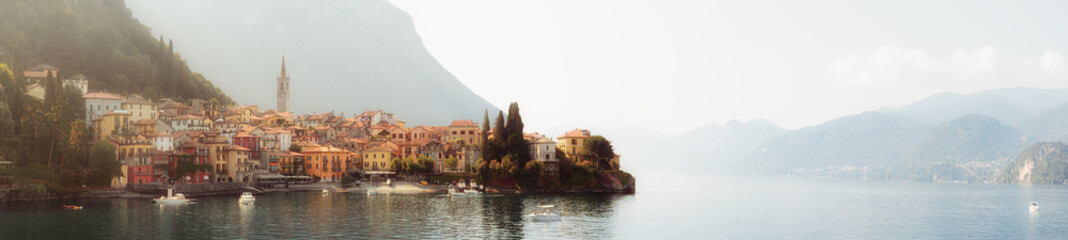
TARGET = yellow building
x,y
36,90
378,157
326,163
111,123
238,167
466,131
132,146
139,108
241,115
571,143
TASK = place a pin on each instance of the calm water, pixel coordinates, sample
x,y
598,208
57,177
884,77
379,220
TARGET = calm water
x,y
666,207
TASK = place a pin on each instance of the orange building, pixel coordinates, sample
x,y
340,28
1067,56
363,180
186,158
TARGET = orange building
x,y
326,164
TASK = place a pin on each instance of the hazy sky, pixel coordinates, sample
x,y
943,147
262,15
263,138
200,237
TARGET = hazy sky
x,y
676,65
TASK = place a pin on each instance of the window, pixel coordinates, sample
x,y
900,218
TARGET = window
x,y
573,142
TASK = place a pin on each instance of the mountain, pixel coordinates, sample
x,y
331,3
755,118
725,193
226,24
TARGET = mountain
x,y
1049,125
859,145
102,41
1041,163
1009,105
340,55
970,148
711,148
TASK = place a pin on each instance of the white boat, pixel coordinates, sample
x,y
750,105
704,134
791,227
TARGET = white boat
x,y
246,199
172,198
544,213
325,192
1033,207
472,191
371,192
453,192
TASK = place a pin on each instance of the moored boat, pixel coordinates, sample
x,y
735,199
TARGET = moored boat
x,y
544,213
172,198
1033,207
246,199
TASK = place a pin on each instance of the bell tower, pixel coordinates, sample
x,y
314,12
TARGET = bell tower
x,y
283,88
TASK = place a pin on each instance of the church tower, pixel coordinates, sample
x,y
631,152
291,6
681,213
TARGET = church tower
x,y
283,89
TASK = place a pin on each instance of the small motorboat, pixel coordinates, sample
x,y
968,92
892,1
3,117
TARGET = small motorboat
x,y
326,192
544,213
454,192
172,198
1033,207
246,199
371,192
72,207
472,191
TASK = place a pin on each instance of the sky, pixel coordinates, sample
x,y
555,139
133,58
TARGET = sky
x,y
676,65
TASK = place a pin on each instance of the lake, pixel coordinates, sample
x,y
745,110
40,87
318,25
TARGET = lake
x,y
666,206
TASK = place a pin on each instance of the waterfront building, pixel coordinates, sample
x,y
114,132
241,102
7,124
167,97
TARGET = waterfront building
x,y
326,163
466,131
571,144
543,149
379,157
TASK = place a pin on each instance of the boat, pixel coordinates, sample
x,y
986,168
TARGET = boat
x,y
325,192
544,213
453,192
471,191
371,192
172,198
246,199
1033,207
72,207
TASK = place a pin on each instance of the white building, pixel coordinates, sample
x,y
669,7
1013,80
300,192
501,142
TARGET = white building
x,y
164,141
80,82
99,103
189,122
543,149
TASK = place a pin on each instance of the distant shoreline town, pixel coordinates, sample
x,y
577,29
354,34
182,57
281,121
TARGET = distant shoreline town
x,y
197,142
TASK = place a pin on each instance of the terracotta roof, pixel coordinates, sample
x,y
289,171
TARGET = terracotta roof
x,y
463,123
577,133
102,95
144,122
187,117
32,86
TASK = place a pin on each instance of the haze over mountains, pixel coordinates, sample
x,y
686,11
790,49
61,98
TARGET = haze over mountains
x,y
945,137
342,56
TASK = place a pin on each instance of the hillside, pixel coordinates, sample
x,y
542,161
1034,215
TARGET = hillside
x,y
711,148
340,55
1009,106
853,146
1041,163
1049,125
969,148
101,40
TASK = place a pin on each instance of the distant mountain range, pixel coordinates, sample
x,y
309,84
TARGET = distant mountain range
x,y
945,137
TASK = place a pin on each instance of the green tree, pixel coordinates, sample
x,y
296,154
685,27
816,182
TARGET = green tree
x,y
451,162
601,151
103,163
426,165
295,148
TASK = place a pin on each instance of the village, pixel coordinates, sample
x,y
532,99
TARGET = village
x,y
200,141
